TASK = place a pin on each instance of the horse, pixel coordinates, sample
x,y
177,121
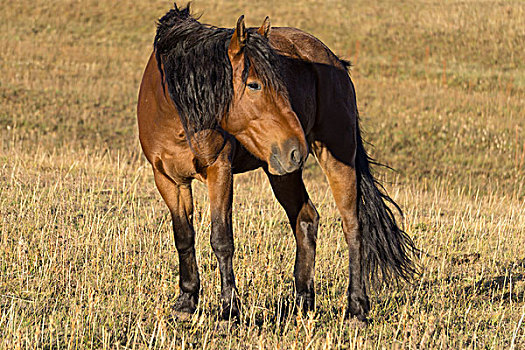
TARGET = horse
x,y
214,102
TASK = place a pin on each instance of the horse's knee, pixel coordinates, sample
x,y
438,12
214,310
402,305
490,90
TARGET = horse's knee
x,y
221,245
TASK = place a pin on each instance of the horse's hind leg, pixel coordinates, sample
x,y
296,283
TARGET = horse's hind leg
x,y
342,178
291,194
180,202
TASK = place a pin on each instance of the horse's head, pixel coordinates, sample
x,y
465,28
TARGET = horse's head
x,y
260,115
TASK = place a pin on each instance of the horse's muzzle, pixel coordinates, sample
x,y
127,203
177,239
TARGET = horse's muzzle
x,y
287,158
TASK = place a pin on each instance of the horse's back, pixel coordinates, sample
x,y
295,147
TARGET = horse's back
x,y
303,46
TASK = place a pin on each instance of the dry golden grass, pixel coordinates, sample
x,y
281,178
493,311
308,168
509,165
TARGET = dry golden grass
x,y
87,258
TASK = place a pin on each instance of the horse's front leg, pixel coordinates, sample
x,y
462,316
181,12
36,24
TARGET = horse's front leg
x,y
179,199
291,193
220,188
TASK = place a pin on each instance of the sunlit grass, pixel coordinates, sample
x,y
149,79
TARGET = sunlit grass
x,y
87,257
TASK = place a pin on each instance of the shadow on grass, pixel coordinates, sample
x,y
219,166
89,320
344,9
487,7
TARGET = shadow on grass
x,y
493,288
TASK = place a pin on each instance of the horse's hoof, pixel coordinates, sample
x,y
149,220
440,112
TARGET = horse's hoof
x,y
230,311
354,322
305,303
227,325
181,316
186,303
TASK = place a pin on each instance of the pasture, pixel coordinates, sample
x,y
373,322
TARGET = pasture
x,y
87,257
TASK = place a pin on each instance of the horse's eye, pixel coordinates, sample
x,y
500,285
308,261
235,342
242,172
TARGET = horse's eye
x,y
254,86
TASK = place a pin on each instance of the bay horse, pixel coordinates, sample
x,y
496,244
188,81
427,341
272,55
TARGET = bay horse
x,y
214,102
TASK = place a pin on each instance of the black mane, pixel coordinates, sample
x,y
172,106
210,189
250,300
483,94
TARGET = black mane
x,y
193,61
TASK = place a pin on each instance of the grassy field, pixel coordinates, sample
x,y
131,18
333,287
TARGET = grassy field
x,y
87,258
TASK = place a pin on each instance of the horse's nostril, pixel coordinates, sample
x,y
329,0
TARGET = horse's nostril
x,y
295,156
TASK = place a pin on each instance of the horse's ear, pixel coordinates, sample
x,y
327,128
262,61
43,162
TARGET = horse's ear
x,y
238,40
265,28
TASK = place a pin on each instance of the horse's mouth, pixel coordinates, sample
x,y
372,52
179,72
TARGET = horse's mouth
x,y
275,166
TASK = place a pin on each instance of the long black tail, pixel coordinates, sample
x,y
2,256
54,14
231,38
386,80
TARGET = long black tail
x,y
385,245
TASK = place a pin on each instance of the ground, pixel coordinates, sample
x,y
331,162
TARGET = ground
x,y
87,256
